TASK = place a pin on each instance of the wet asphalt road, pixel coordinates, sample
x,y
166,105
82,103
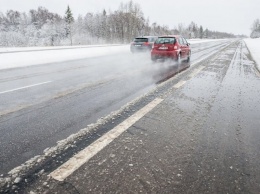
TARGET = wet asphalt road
x,y
203,137
72,95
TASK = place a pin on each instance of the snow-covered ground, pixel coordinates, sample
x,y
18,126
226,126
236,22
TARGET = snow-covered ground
x,y
20,49
254,47
27,56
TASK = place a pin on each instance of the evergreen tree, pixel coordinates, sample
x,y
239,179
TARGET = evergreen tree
x,y
69,21
255,29
201,32
68,16
206,33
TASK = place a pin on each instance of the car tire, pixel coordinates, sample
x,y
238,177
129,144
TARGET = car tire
x,y
178,58
188,58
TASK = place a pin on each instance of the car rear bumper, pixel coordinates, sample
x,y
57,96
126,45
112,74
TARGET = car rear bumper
x,y
164,54
140,48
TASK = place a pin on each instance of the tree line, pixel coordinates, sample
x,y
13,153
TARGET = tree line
x,y
42,28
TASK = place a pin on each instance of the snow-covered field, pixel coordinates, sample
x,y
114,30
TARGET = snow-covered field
x,y
51,55
27,56
254,47
20,49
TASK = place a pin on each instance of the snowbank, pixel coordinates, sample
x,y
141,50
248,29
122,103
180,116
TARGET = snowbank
x,y
254,47
24,57
24,49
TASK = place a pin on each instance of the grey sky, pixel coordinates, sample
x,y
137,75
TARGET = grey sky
x,y
234,16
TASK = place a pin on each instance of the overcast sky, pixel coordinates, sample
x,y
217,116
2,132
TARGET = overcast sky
x,y
233,16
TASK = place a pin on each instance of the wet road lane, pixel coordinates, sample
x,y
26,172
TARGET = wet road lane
x,y
76,94
203,138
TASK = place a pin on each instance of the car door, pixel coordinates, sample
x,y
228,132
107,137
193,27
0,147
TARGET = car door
x,y
186,47
182,47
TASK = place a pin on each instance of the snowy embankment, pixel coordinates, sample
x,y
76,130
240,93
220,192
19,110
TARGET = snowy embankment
x,y
254,47
23,49
20,57
12,57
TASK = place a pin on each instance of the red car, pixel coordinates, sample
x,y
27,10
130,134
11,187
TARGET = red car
x,y
171,46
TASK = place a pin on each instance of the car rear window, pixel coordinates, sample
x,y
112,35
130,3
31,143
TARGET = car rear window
x,y
165,40
141,40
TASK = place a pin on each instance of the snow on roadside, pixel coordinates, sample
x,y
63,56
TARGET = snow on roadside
x,y
21,49
21,59
254,47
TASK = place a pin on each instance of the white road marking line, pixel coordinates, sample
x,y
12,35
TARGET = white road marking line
x,y
85,155
179,84
25,87
196,71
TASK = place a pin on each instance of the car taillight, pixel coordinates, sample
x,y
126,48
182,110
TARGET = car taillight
x,y
155,46
146,43
175,47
